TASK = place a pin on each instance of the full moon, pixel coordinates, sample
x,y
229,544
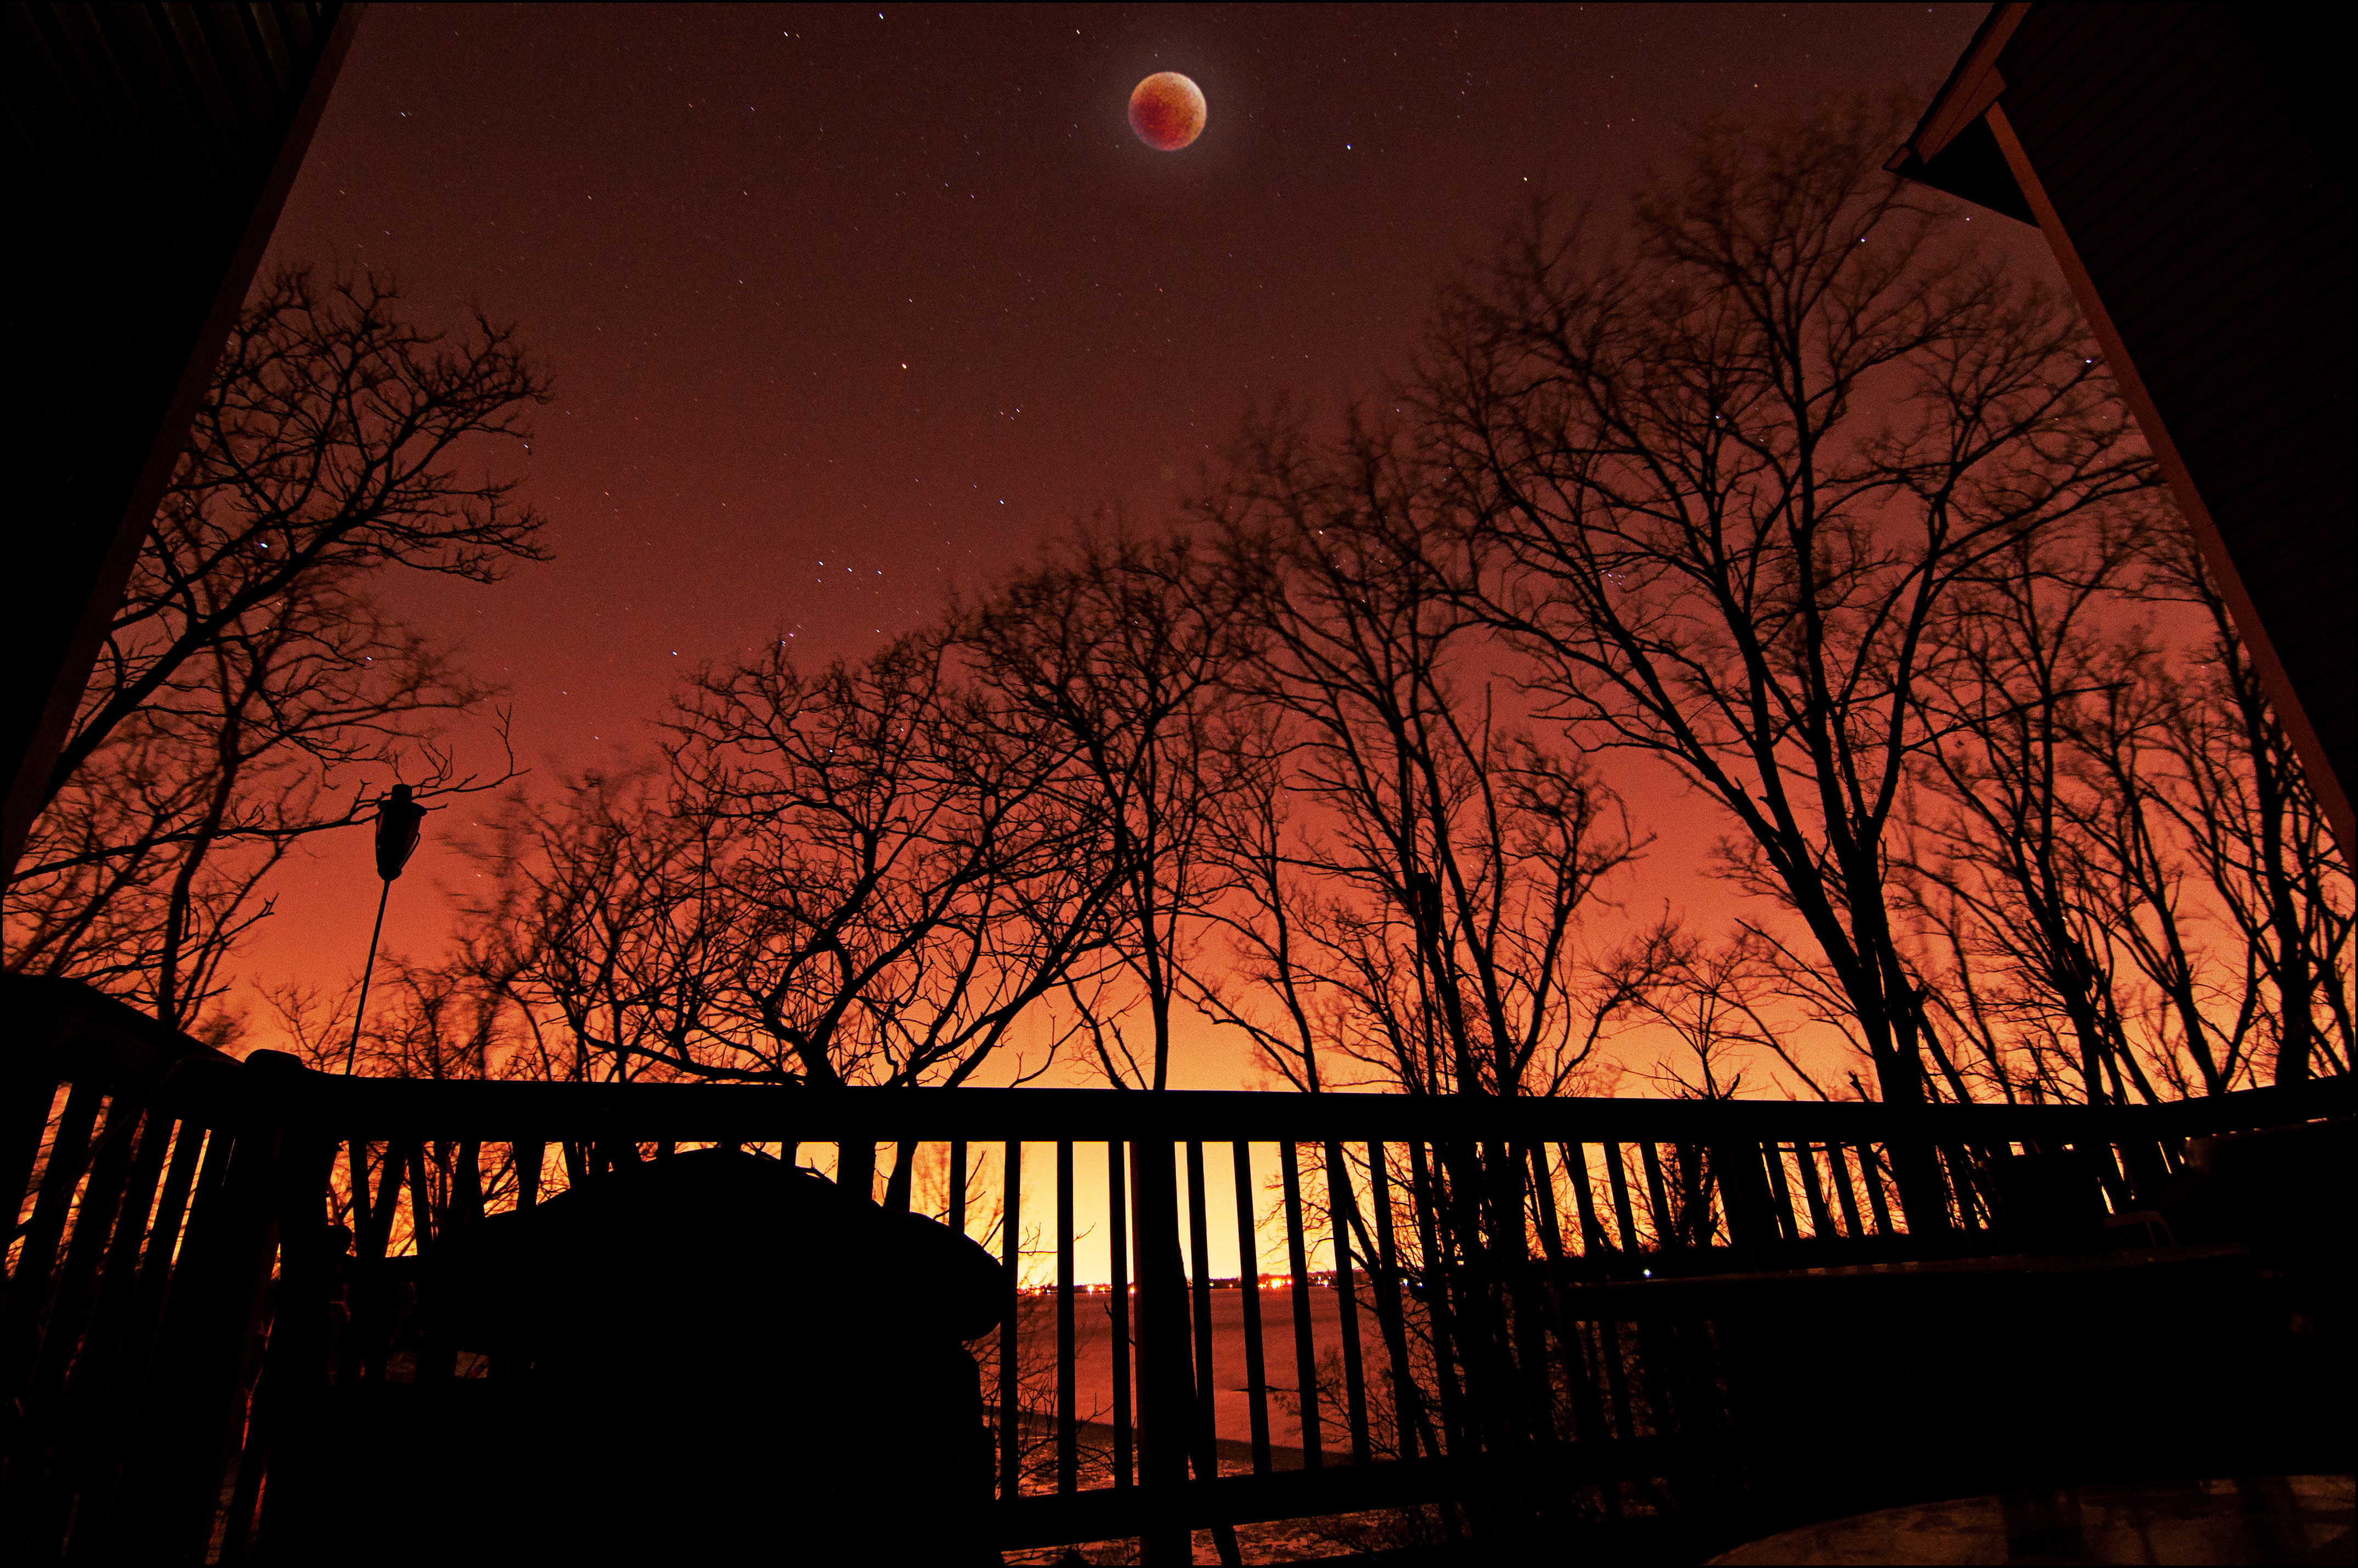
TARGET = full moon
x,y
1167,111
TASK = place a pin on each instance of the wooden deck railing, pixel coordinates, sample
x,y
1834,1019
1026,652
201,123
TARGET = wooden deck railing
x,y
1517,1329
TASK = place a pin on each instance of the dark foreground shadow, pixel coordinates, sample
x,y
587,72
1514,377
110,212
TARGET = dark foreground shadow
x,y
713,1356
2263,1519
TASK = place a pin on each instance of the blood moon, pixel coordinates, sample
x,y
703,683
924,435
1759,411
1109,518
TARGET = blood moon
x,y
1167,111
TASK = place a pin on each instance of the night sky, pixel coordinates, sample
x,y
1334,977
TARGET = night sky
x,y
848,307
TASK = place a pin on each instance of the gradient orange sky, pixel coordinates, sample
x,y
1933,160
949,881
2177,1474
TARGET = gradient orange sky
x,y
850,307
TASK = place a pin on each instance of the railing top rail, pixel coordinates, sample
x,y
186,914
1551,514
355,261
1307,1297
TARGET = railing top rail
x,y
387,1108
71,1031
76,1034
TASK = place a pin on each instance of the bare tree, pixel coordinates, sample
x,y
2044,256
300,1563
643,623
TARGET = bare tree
x,y
330,445
607,932
1412,873
865,876
904,876
1718,1001
1125,648
1999,862
1734,478
2253,831
248,668
425,1020
1125,645
2128,890
1411,868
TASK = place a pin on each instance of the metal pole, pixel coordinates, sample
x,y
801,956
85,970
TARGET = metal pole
x,y
368,973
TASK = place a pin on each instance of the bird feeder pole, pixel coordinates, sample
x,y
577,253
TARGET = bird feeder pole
x,y
400,821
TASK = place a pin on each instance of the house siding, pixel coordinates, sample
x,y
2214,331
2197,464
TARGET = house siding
x,y
148,149
2175,145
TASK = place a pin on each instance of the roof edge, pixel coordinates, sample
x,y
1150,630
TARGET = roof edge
x,y
1953,149
1973,86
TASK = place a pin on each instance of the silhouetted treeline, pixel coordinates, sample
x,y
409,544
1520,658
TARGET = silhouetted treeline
x,y
1773,486
251,691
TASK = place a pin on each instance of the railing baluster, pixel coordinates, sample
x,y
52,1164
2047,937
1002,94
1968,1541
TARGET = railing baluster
x,y
1011,1439
130,1375
1505,1167
1305,1358
29,1280
1543,1198
288,1363
2109,1173
1693,1227
1650,1376
1206,1442
107,1169
30,1101
356,1182
371,1233
1249,1292
437,1358
855,1167
1119,1308
1592,1245
1069,1453
528,1158
421,1200
41,1413
1745,1203
1165,1372
181,1454
1617,1377
1871,1167
1666,1230
1822,1220
1845,1192
1581,1377
905,1173
1611,1406
1618,1176
1199,1262
287,1396
1342,1207
954,1215
379,1217
1426,1198
1408,1400
130,1227
1779,1191
1961,1180
467,1184
88,1440
1459,1195
1551,1249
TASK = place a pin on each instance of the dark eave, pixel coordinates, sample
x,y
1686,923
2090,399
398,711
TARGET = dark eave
x,y
1953,149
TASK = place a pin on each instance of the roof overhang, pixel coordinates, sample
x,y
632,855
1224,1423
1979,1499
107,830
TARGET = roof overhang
x,y
1952,148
